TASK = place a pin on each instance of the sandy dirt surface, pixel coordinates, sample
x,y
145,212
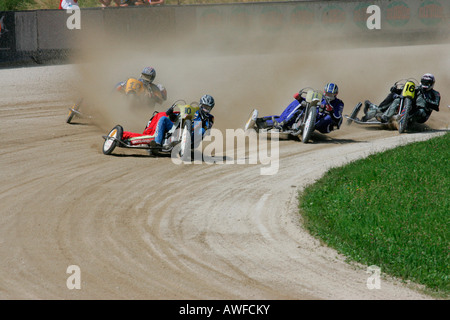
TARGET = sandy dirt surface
x,y
142,227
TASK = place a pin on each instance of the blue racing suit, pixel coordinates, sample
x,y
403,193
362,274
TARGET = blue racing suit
x,y
327,120
202,122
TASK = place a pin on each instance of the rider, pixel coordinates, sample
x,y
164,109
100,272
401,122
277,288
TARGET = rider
x,y
330,117
162,122
148,74
330,113
425,102
204,113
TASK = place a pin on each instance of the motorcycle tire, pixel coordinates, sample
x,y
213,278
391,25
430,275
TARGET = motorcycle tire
x,y
185,144
310,123
354,113
110,142
72,111
251,122
402,121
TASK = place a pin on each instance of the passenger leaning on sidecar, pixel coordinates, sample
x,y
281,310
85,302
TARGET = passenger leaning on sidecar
x,y
162,122
147,77
425,102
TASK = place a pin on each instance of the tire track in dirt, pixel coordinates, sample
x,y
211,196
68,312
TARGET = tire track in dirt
x,y
144,228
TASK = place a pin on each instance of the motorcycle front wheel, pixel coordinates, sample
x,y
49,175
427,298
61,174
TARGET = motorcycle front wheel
x,y
111,140
185,144
310,123
402,119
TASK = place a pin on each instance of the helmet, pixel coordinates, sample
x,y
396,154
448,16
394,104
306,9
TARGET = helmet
x,y
207,103
331,90
427,81
148,75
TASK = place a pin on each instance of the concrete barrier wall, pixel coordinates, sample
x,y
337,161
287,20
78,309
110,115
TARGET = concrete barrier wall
x,y
43,34
352,16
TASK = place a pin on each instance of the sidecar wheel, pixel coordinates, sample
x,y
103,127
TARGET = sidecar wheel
x,y
111,140
73,110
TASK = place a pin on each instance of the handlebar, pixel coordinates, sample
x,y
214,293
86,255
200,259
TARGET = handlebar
x,y
305,90
400,83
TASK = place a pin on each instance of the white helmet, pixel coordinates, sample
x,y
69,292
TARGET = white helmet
x,y
207,103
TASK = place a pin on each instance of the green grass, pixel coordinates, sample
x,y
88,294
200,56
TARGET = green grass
x,y
390,210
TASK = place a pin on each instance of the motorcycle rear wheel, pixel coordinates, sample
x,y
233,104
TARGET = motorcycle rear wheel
x,y
110,142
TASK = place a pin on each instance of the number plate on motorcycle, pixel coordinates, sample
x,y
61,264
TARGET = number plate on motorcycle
x,y
313,96
409,90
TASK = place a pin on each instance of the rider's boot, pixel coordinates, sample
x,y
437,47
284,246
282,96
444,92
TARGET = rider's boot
x,y
154,144
382,118
261,123
278,125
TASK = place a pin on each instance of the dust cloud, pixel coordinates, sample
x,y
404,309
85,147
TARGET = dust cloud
x,y
245,70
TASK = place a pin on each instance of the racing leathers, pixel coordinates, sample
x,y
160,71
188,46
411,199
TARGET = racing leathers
x,y
426,102
156,93
202,122
285,120
329,115
385,109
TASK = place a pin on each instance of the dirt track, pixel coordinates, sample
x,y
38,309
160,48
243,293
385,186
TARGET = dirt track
x,y
144,228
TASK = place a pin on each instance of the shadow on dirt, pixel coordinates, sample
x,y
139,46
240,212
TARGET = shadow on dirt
x,y
322,138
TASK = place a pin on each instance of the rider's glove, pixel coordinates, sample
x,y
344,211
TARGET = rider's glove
x,y
328,108
395,90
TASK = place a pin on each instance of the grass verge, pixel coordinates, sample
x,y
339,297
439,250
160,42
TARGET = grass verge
x,y
390,210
